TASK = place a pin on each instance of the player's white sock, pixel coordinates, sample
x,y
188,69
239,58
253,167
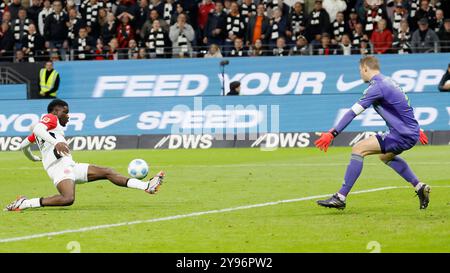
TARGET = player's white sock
x,y
342,197
418,186
137,184
30,203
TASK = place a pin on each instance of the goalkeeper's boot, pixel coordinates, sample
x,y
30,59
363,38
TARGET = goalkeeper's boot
x,y
424,196
14,205
333,202
155,183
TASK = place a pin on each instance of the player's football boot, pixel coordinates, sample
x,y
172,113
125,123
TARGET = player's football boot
x,y
424,196
333,202
155,183
14,205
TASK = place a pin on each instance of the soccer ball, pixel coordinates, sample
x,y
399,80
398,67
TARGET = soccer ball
x,y
138,168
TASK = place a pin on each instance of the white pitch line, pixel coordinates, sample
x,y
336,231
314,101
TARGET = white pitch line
x,y
168,218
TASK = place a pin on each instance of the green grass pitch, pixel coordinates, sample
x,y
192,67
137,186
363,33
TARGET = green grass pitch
x,y
204,180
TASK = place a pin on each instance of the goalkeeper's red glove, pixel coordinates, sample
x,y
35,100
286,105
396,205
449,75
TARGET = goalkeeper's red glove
x,y
324,141
423,137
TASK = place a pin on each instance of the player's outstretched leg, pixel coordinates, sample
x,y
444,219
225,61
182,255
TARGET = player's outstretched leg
x,y
400,166
359,151
66,197
98,173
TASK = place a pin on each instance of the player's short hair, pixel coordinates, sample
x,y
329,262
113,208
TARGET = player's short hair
x,y
370,61
56,102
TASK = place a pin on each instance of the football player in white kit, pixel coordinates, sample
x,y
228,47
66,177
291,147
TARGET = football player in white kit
x,y
61,168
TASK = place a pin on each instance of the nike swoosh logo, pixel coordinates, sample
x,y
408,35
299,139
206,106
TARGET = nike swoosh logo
x,y
103,124
344,86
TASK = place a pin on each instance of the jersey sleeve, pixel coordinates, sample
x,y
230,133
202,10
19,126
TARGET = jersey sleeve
x,y
49,120
31,138
371,95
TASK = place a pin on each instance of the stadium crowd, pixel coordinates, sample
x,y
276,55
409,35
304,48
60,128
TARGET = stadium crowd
x,y
34,30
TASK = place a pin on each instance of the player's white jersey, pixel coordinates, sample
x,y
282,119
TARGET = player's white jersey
x,y
48,151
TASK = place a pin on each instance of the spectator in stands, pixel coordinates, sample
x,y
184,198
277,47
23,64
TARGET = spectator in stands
x,y
352,21
301,47
235,26
129,6
278,27
358,35
181,34
381,38
345,44
402,39
73,26
338,28
257,49
238,50
142,54
6,17
333,7
281,49
258,26
133,50
427,12
248,10
46,11
424,40
365,48
444,36
142,15
89,11
125,32
20,27
113,50
6,43
296,22
48,81
398,14
373,14
34,10
439,21
14,7
108,31
215,26
19,57
444,84
271,5
33,45
158,42
326,47
99,52
55,28
318,21
235,89
204,8
145,31
83,46
213,52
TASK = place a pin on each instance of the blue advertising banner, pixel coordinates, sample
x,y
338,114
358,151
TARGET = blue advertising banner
x,y
13,91
215,115
258,76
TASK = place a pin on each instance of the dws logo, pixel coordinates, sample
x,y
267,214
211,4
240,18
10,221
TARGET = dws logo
x,y
185,142
283,140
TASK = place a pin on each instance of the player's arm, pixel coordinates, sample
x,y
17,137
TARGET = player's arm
x,y
40,130
372,94
25,147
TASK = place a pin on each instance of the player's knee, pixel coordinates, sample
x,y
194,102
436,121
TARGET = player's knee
x,y
108,172
358,150
68,200
385,158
